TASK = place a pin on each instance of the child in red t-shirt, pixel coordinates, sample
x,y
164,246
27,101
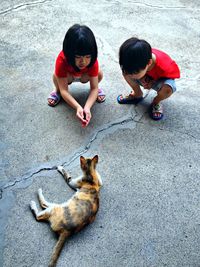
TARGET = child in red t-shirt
x,y
150,68
78,62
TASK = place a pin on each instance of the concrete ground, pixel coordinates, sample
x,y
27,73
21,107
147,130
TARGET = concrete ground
x,y
150,202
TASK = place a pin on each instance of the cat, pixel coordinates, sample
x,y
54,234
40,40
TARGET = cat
x,y
80,210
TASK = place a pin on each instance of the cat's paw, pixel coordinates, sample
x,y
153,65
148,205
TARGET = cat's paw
x,y
39,191
33,205
60,169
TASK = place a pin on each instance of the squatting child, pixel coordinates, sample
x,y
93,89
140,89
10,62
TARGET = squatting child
x,y
78,62
150,68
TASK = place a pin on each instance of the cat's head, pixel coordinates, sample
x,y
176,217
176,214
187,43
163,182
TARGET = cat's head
x,y
88,166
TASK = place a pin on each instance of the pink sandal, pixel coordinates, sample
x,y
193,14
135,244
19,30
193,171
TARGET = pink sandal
x,y
54,96
101,93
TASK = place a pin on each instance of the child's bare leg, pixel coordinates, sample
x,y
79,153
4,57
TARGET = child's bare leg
x,y
52,102
85,78
100,98
43,202
136,90
55,83
100,75
57,89
163,93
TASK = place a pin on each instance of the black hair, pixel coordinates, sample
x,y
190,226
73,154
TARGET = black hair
x,y
134,55
79,40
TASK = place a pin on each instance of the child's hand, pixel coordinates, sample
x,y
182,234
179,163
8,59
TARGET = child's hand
x,y
81,115
147,82
87,116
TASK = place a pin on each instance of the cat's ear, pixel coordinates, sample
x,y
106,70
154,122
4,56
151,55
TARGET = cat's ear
x,y
83,163
95,159
82,160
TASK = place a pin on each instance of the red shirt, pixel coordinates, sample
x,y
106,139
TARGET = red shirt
x,y
164,67
62,67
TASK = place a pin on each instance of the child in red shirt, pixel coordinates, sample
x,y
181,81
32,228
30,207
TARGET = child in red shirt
x,y
150,68
78,62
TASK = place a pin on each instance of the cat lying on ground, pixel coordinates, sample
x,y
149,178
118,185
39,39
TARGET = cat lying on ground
x,y
71,216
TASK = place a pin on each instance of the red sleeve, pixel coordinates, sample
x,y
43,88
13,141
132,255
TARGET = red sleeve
x,y
61,66
165,67
94,70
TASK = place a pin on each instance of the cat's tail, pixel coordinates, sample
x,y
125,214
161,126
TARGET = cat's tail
x,y
57,249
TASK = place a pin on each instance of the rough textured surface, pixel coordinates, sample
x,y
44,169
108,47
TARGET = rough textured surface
x,y
150,212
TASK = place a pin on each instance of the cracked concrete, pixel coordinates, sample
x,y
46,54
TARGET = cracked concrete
x,y
23,5
104,131
149,213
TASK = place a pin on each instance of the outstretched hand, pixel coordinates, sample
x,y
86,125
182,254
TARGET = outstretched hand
x,y
147,82
84,115
87,116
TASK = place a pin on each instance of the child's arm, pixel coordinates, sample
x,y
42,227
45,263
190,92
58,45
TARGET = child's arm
x,y
63,87
93,92
136,91
91,98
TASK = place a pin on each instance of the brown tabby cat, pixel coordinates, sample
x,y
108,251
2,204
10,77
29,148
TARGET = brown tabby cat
x,y
71,216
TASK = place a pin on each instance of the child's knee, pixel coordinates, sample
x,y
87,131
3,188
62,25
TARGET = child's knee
x,y
84,78
100,75
170,86
165,91
54,78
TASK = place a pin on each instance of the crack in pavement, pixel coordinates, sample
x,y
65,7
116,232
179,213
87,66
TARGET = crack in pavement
x,y
11,184
23,5
74,157
105,129
158,7
136,3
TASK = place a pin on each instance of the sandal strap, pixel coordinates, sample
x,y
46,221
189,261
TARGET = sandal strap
x,y
101,92
157,109
54,96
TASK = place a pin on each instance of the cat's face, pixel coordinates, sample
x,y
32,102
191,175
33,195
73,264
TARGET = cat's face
x,y
88,164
